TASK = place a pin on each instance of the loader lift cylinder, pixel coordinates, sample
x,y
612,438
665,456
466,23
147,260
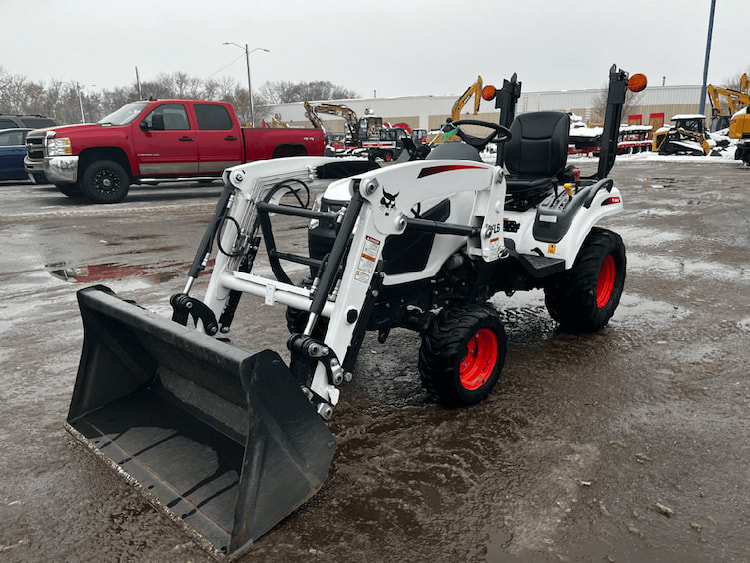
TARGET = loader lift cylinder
x,y
336,257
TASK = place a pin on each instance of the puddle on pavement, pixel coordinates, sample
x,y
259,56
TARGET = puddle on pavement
x,y
113,271
678,267
649,237
659,182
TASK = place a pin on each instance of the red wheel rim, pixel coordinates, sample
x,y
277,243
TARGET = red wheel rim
x,y
606,282
481,356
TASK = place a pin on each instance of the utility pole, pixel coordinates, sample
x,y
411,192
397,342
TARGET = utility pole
x,y
249,83
138,84
80,102
702,107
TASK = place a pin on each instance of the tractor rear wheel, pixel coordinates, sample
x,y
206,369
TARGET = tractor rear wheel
x,y
585,297
462,355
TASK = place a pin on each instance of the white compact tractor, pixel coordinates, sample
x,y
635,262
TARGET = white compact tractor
x,y
228,442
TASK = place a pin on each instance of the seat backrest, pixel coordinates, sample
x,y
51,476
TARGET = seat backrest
x,y
454,150
539,145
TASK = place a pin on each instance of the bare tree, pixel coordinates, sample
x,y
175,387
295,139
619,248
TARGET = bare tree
x,y
63,99
282,92
599,105
12,92
735,81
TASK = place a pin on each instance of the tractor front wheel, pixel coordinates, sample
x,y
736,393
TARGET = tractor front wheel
x,y
462,355
586,296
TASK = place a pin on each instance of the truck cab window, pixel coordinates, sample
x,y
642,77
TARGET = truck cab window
x,y
212,117
173,116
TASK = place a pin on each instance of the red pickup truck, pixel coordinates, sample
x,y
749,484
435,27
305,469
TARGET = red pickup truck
x,y
152,140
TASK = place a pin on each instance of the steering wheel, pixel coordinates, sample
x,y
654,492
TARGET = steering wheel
x,y
499,133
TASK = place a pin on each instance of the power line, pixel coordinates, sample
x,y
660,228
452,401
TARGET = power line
x,y
224,67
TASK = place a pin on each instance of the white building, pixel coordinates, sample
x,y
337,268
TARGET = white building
x,y
655,106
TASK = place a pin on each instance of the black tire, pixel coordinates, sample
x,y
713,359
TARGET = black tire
x,y
585,297
70,190
296,320
462,355
105,181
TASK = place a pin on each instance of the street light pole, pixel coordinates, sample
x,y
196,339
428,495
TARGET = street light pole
x,y
702,108
80,102
79,87
249,82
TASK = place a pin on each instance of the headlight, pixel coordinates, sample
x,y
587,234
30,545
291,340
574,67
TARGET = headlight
x,y
59,146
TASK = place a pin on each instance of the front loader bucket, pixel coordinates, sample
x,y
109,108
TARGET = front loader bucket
x,y
221,440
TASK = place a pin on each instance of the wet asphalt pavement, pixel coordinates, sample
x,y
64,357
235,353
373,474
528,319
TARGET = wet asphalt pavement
x,y
631,444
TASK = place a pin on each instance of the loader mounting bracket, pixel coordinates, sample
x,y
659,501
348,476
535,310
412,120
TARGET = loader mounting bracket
x,y
183,306
312,350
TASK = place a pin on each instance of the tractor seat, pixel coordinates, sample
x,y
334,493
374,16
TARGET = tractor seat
x,y
536,156
454,151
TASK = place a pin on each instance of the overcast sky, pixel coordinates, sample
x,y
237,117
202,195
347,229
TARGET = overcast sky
x,y
389,47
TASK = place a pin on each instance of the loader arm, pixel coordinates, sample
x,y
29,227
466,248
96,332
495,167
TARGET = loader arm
x,y
380,206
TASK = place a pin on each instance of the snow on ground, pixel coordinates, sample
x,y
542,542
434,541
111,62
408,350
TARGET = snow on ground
x,y
726,157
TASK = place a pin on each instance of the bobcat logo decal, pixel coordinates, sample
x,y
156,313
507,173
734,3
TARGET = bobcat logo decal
x,y
388,202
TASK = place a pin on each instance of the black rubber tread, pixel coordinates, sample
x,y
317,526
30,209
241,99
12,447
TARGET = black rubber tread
x,y
96,172
571,297
444,346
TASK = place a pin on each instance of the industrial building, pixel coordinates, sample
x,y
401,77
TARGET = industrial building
x,y
653,106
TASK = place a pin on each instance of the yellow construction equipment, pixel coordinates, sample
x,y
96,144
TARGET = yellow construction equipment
x,y
739,129
475,91
688,135
735,101
350,117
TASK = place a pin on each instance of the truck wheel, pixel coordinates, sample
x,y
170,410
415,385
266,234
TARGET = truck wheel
x,y
70,190
105,181
585,297
462,355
